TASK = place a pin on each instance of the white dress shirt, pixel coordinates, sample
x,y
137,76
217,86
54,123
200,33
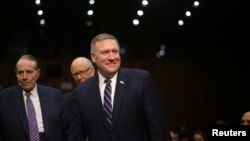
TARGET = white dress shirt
x,y
36,102
102,85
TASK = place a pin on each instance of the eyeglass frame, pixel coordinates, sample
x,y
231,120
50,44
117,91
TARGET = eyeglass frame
x,y
84,72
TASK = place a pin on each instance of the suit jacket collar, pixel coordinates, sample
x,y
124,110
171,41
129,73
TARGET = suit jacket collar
x,y
17,95
95,94
43,96
120,93
20,105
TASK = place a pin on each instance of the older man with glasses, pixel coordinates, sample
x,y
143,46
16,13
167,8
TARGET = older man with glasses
x,y
81,69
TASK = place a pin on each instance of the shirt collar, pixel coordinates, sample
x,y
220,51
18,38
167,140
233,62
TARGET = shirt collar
x,y
102,78
33,91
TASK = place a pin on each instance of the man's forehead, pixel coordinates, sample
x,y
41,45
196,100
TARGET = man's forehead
x,y
26,65
25,61
246,115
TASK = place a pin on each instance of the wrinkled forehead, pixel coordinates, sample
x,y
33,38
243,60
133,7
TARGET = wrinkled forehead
x,y
26,64
246,116
106,43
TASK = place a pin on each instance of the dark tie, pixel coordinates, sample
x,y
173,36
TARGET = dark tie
x,y
107,101
31,115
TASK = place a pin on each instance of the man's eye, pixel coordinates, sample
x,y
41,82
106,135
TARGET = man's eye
x,y
29,72
20,72
105,52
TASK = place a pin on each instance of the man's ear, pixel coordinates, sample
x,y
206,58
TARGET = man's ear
x,y
93,57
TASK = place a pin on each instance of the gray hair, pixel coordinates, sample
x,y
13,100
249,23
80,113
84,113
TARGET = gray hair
x,y
29,57
100,37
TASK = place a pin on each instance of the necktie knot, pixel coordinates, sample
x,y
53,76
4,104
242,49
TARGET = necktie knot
x,y
28,94
107,81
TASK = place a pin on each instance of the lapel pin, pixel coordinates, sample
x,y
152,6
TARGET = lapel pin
x,y
121,82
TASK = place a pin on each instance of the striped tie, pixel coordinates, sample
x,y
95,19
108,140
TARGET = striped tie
x,y
107,101
31,115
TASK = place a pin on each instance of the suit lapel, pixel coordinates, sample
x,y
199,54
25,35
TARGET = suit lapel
x,y
44,107
96,98
19,103
120,92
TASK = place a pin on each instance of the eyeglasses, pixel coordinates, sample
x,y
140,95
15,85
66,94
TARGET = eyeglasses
x,y
81,73
245,122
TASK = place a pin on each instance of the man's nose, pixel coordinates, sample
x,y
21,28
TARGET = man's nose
x,y
111,55
25,76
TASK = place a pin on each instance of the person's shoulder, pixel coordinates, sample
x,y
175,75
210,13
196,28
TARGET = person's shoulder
x,y
9,89
135,71
67,98
83,86
68,95
48,88
88,82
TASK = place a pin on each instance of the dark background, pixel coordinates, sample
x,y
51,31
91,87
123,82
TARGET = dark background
x,y
204,76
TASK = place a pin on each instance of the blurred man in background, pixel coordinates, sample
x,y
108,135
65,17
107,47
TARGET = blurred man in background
x,y
81,69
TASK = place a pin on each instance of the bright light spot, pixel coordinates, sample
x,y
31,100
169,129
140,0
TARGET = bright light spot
x,y
144,2
196,3
38,2
90,12
40,12
42,22
140,13
180,22
162,52
136,21
188,13
91,2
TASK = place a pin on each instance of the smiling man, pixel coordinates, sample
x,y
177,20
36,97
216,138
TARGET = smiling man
x,y
117,104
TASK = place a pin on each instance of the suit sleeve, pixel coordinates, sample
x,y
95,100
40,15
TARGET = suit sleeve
x,y
1,138
1,134
75,128
1,128
154,111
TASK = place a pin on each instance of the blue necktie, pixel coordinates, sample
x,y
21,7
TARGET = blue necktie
x,y
107,101
31,115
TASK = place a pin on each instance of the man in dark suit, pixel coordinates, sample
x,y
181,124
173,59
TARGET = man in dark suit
x,y
117,104
81,69
16,120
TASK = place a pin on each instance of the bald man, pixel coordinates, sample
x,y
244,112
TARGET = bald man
x,y
245,119
81,69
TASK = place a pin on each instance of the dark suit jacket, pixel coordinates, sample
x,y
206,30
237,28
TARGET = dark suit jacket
x,y
13,120
138,114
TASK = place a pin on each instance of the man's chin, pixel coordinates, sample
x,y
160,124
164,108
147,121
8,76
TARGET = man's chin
x,y
26,88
